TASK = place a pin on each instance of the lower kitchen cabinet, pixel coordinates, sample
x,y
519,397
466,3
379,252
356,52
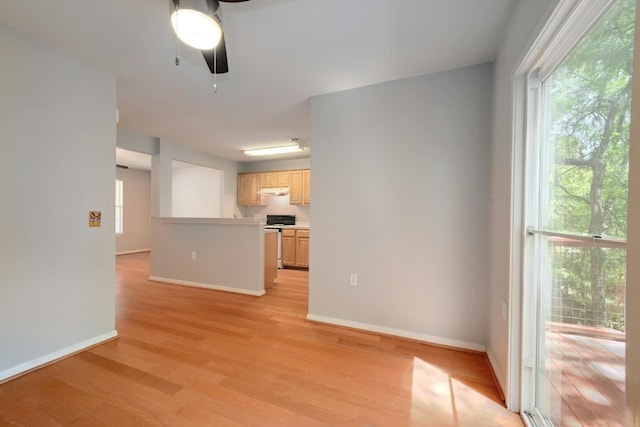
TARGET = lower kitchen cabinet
x,y
289,247
295,248
302,248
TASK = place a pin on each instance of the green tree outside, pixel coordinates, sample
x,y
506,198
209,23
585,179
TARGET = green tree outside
x,y
588,126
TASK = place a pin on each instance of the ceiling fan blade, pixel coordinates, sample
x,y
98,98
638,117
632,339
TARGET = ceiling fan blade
x,y
220,65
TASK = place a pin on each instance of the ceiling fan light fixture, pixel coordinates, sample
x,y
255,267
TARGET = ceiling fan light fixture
x,y
196,28
282,149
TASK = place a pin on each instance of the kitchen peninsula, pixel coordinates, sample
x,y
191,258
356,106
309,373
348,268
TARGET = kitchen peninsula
x,y
224,254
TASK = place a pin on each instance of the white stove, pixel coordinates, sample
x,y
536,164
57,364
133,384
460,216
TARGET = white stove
x,y
277,222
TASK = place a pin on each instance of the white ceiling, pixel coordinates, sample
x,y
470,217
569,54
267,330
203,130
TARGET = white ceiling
x,y
281,52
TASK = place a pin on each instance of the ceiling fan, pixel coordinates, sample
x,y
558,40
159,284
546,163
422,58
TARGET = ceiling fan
x,y
198,23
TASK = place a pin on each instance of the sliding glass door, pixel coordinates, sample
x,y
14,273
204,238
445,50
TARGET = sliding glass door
x,y
578,143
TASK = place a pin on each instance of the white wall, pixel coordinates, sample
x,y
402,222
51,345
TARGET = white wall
x,y
196,191
57,157
229,170
137,211
526,21
400,197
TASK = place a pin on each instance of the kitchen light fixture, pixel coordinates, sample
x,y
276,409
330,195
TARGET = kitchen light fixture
x,y
282,149
194,25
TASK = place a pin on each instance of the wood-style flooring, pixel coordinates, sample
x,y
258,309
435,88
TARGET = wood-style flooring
x,y
586,379
197,357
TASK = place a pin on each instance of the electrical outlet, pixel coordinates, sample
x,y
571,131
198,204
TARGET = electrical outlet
x,y
353,279
193,255
504,311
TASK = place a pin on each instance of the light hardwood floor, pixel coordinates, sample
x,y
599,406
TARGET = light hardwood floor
x,y
195,357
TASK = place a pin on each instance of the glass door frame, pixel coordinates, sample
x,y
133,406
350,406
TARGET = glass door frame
x,y
566,26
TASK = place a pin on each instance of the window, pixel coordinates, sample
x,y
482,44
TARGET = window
x,y
119,206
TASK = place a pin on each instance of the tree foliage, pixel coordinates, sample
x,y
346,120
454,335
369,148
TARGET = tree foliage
x,y
589,100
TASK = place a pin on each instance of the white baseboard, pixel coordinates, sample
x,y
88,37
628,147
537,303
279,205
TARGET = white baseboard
x,y
208,286
428,339
56,355
497,372
136,251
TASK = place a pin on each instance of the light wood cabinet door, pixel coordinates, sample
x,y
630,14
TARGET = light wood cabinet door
x,y
302,248
248,189
295,248
289,248
298,182
281,179
300,187
275,179
295,187
306,187
244,189
267,179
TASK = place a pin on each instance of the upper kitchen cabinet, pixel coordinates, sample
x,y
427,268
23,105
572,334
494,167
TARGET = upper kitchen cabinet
x,y
298,182
249,185
300,187
276,179
306,187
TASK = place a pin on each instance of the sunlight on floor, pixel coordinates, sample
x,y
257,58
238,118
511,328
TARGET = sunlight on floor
x,y
438,398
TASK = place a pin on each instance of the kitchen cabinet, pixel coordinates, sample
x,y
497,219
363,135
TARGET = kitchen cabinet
x,y
298,182
289,247
275,179
302,248
295,248
249,185
295,187
300,187
306,187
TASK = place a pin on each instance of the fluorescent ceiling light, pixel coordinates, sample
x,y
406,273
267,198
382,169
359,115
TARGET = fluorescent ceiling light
x,y
274,150
196,28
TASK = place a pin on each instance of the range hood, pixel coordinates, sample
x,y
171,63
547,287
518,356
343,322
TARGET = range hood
x,y
278,191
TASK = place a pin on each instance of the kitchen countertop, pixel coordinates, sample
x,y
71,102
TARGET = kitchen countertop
x,y
296,227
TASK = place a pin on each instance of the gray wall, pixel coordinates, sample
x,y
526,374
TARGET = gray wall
x,y
164,152
400,197
137,211
223,254
57,139
275,165
138,142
